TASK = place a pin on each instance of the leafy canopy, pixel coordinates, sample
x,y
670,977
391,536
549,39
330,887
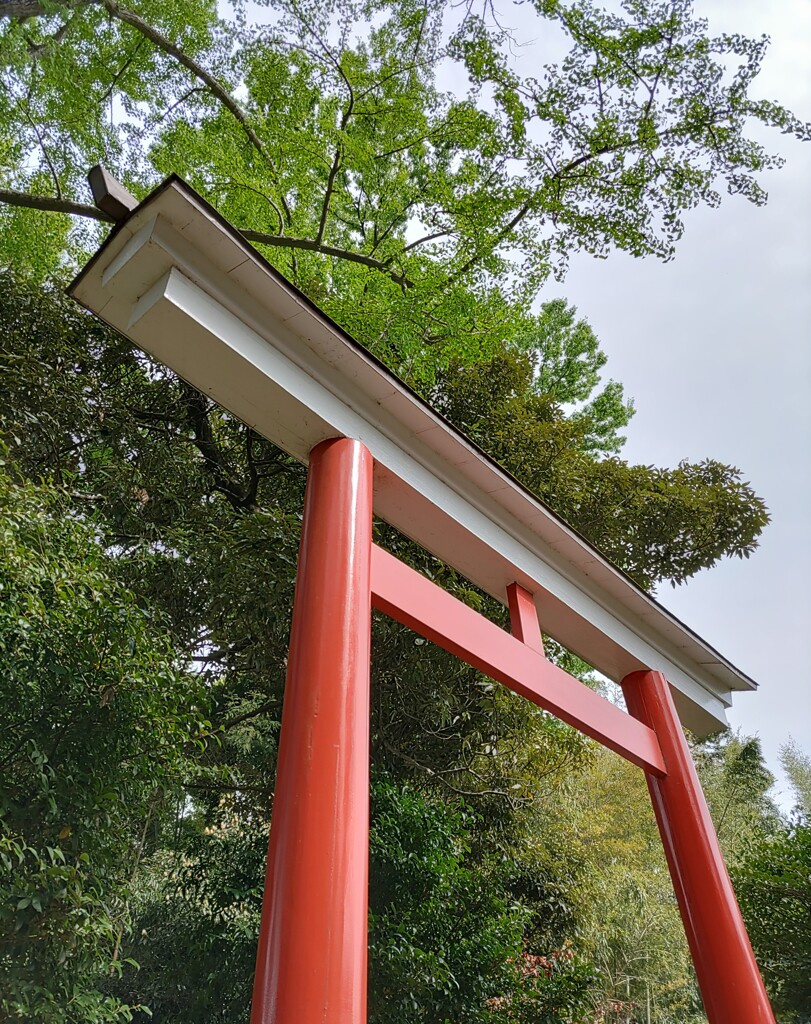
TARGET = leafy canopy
x,y
424,219
99,722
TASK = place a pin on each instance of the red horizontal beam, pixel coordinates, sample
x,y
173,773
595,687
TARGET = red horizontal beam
x,y
408,597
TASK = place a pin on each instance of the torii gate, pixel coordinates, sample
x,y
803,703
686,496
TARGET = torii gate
x,y
184,285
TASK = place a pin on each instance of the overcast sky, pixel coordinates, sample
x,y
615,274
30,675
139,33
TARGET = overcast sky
x,y
715,348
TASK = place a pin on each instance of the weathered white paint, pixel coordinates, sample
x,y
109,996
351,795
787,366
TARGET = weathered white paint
x,y
184,286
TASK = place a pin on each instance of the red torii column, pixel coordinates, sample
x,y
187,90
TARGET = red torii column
x,y
728,976
311,958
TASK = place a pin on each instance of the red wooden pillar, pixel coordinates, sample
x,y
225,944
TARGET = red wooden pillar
x,y
728,976
311,960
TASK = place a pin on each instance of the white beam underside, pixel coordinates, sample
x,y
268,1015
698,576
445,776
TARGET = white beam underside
x,y
178,283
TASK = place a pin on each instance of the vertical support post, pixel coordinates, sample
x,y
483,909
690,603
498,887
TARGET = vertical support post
x,y
311,960
728,976
524,617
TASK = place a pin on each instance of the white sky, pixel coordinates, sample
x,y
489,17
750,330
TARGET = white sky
x,y
715,348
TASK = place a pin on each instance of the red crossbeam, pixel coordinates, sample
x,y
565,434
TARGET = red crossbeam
x,y
410,598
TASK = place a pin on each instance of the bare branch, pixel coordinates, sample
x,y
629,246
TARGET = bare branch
x,y
398,221
226,186
39,50
339,151
336,162
500,237
401,70
421,32
32,8
599,82
197,410
121,71
51,205
262,709
425,239
439,777
559,174
45,153
285,241
182,99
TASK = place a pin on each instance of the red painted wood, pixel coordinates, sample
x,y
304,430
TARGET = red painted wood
x,y
311,961
418,603
728,977
524,617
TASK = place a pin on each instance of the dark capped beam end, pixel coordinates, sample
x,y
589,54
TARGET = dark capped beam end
x,y
109,195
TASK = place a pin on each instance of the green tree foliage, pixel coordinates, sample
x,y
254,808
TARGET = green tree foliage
x,y
402,207
443,933
773,880
773,884
683,518
98,723
446,934
797,766
593,840
195,914
737,785
197,511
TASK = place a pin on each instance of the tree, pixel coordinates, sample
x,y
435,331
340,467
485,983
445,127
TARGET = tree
x,y
98,723
683,518
773,883
594,841
797,766
403,209
738,787
773,880
197,511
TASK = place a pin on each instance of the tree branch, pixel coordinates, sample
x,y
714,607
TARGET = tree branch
x,y
262,709
439,777
339,150
197,410
52,205
45,153
229,787
230,186
500,237
425,239
333,172
217,90
253,471
285,241
32,8
121,71
504,233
